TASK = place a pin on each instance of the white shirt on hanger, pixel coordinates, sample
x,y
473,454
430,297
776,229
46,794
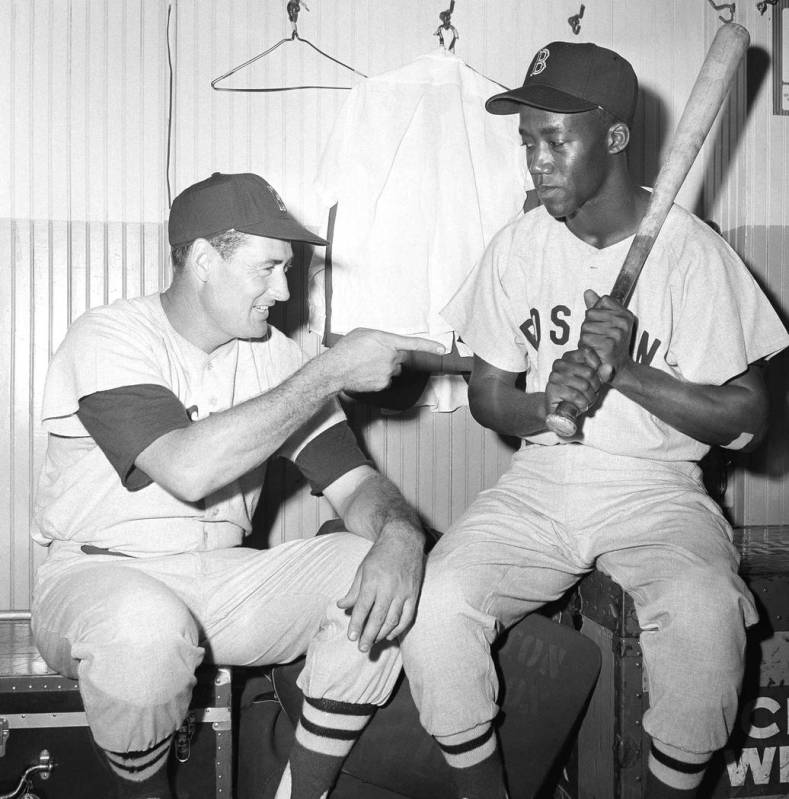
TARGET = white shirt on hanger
x,y
423,177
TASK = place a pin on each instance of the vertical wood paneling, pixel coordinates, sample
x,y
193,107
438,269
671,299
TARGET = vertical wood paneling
x,y
7,536
82,133
83,146
20,385
747,193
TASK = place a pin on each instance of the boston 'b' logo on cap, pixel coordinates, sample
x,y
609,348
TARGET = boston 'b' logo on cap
x,y
540,62
277,198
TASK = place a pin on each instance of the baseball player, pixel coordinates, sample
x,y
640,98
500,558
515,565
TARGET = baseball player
x,y
162,412
660,383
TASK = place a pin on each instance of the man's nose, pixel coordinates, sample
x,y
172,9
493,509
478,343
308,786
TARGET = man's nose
x,y
279,286
541,161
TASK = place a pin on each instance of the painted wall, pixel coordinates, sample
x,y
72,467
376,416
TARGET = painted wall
x,y
107,111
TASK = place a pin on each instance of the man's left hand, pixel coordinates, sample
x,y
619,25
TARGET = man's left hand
x,y
384,593
607,329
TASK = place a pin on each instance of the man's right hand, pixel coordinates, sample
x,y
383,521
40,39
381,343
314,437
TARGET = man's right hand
x,y
367,360
574,378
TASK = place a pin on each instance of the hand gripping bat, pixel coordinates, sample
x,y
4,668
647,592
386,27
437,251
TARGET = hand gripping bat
x,y
706,98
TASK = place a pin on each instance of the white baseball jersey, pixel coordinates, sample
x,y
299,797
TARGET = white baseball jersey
x,y
80,498
700,315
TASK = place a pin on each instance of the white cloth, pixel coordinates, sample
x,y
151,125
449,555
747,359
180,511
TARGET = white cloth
x,y
423,177
701,317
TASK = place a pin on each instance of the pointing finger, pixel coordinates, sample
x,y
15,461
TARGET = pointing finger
x,y
415,343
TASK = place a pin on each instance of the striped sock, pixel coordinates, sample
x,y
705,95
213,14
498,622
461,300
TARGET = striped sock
x,y
325,735
142,774
671,777
476,763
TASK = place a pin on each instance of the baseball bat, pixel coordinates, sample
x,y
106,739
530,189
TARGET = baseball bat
x,y
706,99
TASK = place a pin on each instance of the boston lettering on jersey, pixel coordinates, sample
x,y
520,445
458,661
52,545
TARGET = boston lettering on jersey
x,y
559,333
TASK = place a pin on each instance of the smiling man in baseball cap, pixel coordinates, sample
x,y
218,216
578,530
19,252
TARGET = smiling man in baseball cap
x,y
243,202
163,411
663,380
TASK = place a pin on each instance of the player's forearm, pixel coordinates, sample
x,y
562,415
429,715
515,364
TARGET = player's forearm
x,y
715,415
194,461
506,409
377,510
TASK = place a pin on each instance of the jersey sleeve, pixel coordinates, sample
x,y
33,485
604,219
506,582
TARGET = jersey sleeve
x,y
124,421
724,320
101,351
482,312
329,455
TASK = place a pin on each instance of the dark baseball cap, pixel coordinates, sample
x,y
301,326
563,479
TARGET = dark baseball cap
x,y
242,201
569,77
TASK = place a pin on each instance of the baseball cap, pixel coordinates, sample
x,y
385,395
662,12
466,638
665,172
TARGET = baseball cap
x,y
242,201
569,77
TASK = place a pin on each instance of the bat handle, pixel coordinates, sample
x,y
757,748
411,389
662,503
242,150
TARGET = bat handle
x,y
563,421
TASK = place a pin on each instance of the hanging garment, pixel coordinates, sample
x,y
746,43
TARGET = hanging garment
x,y
422,177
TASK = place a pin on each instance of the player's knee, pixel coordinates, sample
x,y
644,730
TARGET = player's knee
x,y
447,602
151,623
147,657
708,599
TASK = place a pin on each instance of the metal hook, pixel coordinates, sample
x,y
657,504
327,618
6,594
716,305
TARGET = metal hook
x,y
762,6
575,20
446,25
293,7
731,7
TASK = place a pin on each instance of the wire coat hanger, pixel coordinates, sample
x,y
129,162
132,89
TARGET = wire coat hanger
x,y
293,8
446,28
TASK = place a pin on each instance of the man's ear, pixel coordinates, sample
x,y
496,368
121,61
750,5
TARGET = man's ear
x,y
201,259
618,137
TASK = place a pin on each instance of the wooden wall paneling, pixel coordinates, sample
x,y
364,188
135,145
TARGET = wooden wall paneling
x,y
425,468
59,172
42,301
21,378
115,259
408,467
7,353
752,207
97,266
444,466
77,265
20,174
79,152
7,110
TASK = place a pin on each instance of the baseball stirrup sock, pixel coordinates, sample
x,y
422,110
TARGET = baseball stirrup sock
x,y
142,773
325,735
476,763
671,778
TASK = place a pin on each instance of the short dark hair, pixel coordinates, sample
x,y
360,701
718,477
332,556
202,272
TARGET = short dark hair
x,y
225,243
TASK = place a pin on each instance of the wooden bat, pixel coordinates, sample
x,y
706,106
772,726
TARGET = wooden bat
x,y
706,99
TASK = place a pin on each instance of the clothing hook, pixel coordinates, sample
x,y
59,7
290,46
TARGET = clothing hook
x,y
762,6
446,25
575,20
731,7
294,6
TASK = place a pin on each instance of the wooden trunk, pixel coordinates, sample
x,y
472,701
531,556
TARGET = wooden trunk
x,y
43,726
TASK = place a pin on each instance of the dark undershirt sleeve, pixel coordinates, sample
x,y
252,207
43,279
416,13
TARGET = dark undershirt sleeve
x,y
330,455
124,421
